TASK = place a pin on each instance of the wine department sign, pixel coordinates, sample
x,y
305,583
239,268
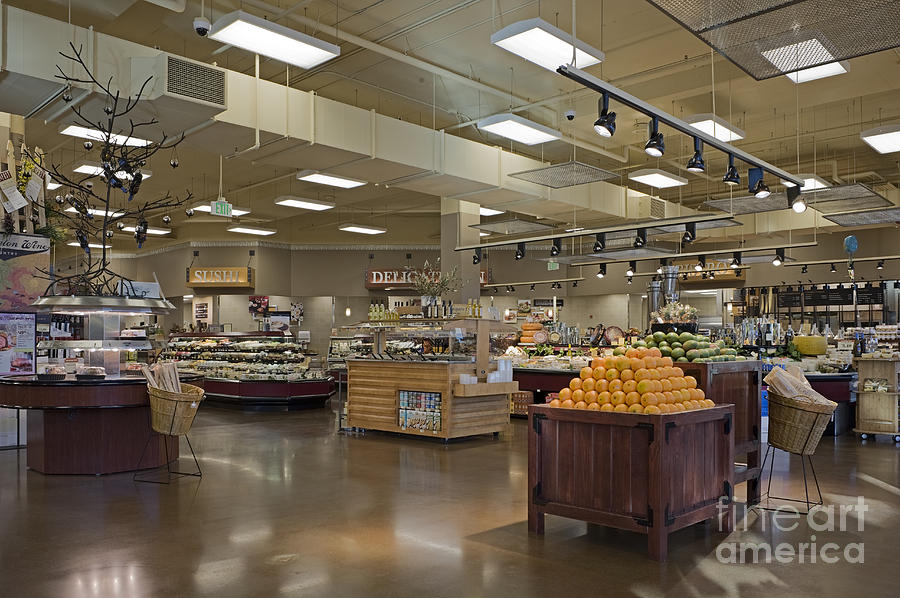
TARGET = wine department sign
x,y
400,278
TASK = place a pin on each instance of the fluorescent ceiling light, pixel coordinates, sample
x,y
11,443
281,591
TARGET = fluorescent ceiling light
x,y
513,126
97,212
304,203
483,234
151,230
94,168
95,135
251,230
539,42
489,211
52,185
716,126
235,211
91,245
313,176
575,229
811,182
271,39
362,229
657,178
883,140
795,61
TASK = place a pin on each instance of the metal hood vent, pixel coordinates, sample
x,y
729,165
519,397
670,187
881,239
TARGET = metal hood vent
x,y
768,38
866,217
568,174
832,200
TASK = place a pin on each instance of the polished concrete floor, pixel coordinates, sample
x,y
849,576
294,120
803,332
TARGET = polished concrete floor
x,y
286,507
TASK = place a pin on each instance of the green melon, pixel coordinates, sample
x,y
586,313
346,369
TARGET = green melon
x,y
659,336
690,345
682,360
693,354
672,337
666,351
677,352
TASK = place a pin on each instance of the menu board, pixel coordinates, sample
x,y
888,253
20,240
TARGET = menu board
x,y
17,343
828,297
870,296
789,300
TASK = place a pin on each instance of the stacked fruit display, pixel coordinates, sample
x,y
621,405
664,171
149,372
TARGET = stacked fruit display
x,y
641,380
686,347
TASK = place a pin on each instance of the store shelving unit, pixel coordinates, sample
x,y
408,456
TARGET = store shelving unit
x,y
251,370
877,411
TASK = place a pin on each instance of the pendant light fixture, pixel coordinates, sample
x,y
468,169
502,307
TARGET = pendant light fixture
x,y
605,125
696,163
731,175
656,145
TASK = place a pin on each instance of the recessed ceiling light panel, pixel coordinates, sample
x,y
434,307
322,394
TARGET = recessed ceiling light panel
x,y
362,229
884,140
811,182
716,126
251,230
304,203
151,230
547,46
489,211
657,178
332,180
95,135
517,128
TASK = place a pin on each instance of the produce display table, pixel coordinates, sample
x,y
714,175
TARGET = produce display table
x,y
88,427
652,474
737,383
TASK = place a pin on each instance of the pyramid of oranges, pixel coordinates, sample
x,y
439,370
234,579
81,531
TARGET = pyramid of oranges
x,y
641,381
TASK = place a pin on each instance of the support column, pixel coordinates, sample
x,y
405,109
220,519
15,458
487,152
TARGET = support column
x,y
456,218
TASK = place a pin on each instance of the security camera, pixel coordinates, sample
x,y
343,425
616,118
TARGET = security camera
x,y
570,115
202,26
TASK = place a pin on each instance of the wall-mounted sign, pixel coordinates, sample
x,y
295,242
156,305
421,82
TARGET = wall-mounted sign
x,y
144,290
17,343
220,208
548,303
399,278
222,276
201,311
259,305
20,258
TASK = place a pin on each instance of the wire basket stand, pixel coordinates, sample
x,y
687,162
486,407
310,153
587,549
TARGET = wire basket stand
x,y
171,414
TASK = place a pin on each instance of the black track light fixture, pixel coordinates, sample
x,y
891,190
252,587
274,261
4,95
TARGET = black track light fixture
x,y
684,276
556,247
574,284
520,251
804,269
690,233
880,265
833,269
736,260
696,163
602,271
632,266
795,200
779,258
656,145
756,185
605,125
630,280
701,264
600,242
704,276
662,264
512,289
640,239
476,259
712,274
533,287
731,177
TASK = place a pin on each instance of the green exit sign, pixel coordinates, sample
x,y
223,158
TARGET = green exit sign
x,y
552,266
220,208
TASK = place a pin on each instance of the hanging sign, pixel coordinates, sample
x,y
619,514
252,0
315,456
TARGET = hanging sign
x,y
14,200
220,207
221,276
35,184
399,279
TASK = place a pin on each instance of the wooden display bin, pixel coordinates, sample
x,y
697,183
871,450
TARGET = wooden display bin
x,y
737,383
652,474
877,412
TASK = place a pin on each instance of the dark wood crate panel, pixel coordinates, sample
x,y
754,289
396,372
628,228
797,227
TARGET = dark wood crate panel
x,y
652,474
737,383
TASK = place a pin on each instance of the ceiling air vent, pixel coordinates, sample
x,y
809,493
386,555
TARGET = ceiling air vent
x,y
195,80
657,208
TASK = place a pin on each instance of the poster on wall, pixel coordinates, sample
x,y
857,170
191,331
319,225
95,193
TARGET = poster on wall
x,y
20,258
280,321
259,305
17,343
524,308
296,312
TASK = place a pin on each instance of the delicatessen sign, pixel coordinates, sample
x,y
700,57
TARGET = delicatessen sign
x,y
400,278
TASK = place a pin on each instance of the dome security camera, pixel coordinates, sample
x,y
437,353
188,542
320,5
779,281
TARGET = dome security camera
x,y
202,26
570,115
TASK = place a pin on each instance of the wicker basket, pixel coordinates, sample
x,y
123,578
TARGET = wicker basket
x,y
796,425
172,413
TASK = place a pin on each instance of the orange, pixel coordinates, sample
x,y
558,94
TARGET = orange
x,y
657,385
567,404
641,374
652,410
654,352
667,361
599,373
636,408
649,398
632,397
665,408
666,371
586,373
636,364
554,403
631,353
701,394
623,363
666,384
588,384
654,374
593,406
621,408
617,398
577,395
629,386
610,362
668,397
627,375
677,383
644,386
690,405
606,407
590,396
615,385
602,385
649,362
612,374
580,405
603,397
679,407
565,393
685,394
596,362
575,384
691,381
678,372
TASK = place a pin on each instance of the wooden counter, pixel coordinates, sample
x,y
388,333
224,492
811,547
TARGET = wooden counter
x,y
374,397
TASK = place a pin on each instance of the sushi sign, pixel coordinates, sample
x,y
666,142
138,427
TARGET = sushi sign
x,y
223,276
